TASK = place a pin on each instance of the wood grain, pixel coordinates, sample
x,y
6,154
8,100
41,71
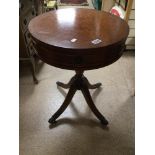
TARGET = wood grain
x,y
52,33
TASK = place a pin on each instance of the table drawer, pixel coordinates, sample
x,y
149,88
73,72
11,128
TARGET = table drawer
x,y
91,60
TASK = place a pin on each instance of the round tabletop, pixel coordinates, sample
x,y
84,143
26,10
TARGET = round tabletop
x,y
78,38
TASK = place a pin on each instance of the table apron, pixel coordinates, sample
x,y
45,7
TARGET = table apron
x,y
79,61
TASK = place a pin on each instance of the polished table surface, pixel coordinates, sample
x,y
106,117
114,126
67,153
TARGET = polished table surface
x,y
78,39
64,38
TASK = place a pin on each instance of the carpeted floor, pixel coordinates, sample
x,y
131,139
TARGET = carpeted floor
x,y
78,132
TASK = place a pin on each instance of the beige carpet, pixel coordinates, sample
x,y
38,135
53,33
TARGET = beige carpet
x,y
78,132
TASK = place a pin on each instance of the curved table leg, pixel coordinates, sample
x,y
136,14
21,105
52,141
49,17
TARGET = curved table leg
x,y
78,82
91,86
92,106
66,86
66,102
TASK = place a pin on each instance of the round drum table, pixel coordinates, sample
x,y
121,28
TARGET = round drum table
x,y
78,39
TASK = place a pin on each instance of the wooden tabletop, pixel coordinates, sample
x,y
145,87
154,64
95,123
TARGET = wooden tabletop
x,y
77,31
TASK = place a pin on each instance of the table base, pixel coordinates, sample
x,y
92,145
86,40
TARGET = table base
x,y
78,82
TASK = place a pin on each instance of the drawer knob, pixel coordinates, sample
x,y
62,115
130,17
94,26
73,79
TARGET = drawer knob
x,y
78,60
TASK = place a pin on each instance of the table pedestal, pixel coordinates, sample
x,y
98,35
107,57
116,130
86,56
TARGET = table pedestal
x,y
78,82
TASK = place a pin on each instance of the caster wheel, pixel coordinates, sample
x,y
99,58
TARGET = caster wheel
x,y
99,84
52,121
57,82
104,122
36,81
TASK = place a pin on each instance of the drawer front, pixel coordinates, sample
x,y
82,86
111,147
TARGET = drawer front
x,y
95,59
